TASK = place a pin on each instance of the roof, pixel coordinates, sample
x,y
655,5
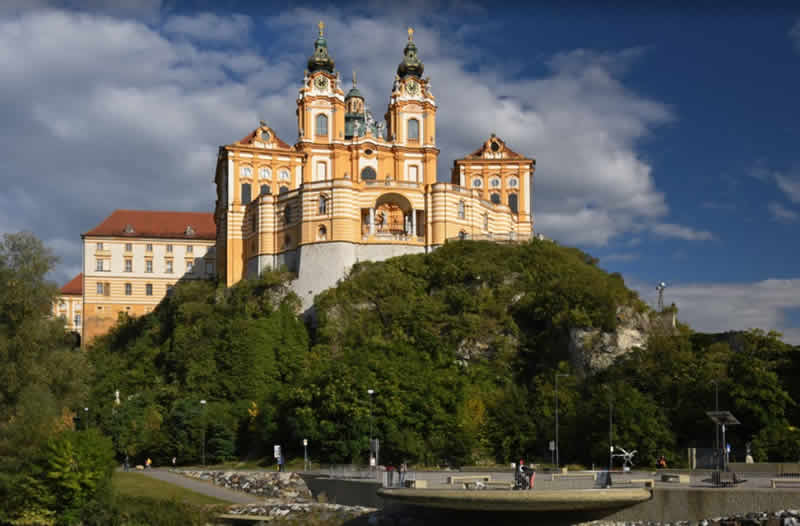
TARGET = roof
x,y
75,286
503,147
276,141
159,224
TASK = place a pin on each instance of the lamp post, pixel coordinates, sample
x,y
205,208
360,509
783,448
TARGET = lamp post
x,y
558,463
86,415
203,447
370,392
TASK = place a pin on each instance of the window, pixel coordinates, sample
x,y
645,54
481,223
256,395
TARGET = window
x,y
148,247
283,190
495,182
169,266
100,288
265,189
190,249
413,129
148,266
77,320
462,235
477,182
148,289
98,265
461,210
264,173
169,248
245,171
189,266
209,268
413,173
283,175
322,171
246,197
287,213
322,233
322,124
513,182
128,289
128,265
128,247
513,203
323,205
368,174
495,197
99,246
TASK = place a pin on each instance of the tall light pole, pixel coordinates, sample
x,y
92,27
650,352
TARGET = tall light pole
x,y
86,415
370,392
558,463
203,447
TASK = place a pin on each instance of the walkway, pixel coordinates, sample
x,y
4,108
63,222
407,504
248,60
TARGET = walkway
x,y
202,486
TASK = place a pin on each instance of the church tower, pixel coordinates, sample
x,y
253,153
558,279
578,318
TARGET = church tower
x,y
411,116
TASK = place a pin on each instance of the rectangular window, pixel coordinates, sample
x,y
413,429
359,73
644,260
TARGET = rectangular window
x,y
148,247
148,289
100,246
169,266
169,248
100,288
128,289
148,266
77,320
98,265
413,173
128,247
246,194
209,268
189,249
128,265
107,289
189,266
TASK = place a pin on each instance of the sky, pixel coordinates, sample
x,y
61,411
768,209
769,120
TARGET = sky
x,y
665,137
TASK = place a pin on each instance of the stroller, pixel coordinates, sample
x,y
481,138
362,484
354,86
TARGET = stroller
x,y
524,477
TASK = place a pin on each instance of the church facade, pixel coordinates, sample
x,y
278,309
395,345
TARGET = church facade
x,y
352,189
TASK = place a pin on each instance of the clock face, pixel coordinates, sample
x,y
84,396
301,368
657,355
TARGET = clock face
x,y
321,82
412,87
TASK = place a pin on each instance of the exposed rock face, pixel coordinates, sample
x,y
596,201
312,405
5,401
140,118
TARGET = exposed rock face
x,y
592,350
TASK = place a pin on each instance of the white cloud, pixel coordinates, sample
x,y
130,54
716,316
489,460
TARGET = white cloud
x,y
719,307
781,213
790,186
680,232
209,26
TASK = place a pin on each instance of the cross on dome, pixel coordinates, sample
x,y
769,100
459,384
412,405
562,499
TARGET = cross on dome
x,y
410,33
321,27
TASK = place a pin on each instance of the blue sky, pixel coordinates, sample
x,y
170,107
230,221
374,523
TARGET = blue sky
x,y
666,139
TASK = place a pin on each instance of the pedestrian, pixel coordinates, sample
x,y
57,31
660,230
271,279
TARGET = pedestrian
x,y
148,463
662,462
403,469
127,464
173,462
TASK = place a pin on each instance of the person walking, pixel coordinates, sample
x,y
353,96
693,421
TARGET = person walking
x,y
148,463
403,469
173,462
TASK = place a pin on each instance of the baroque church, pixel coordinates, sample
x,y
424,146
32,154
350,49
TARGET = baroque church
x,y
353,189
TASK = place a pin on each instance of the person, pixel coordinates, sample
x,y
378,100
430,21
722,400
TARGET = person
x,y
173,461
127,464
148,463
662,462
403,469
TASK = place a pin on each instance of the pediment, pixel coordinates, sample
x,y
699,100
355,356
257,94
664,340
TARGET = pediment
x,y
263,137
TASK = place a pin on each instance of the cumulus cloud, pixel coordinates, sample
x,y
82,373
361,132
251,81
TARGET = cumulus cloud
x,y
101,112
680,232
719,307
781,213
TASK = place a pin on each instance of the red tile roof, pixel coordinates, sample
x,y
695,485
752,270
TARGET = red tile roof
x,y
75,286
159,224
510,154
248,139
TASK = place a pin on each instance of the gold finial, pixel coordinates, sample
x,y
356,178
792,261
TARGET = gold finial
x,y
410,34
354,78
321,27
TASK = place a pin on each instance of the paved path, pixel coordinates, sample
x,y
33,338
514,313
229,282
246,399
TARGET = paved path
x,y
202,486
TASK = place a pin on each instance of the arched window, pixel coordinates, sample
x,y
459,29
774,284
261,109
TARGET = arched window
x,y
245,171
495,197
322,171
283,190
322,124
461,211
264,173
477,182
495,182
322,233
246,196
265,189
368,174
513,203
413,130
283,175
323,205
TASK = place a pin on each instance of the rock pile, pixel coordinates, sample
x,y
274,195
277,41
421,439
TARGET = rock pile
x,y
279,485
777,518
322,512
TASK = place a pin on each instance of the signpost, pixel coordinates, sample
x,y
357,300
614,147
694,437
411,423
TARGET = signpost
x,y
724,418
305,454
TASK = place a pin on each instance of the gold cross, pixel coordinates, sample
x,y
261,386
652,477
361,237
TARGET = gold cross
x,y
410,33
321,26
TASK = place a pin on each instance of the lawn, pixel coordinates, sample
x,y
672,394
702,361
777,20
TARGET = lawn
x,y
132,484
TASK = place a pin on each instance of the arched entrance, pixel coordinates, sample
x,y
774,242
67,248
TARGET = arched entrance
x,y
391,217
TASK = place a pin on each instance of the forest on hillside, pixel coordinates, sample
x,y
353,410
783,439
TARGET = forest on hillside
x,y
460,346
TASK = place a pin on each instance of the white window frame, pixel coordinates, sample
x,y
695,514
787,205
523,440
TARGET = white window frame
x,y
265,173
169,266
245,171
128,265
148,266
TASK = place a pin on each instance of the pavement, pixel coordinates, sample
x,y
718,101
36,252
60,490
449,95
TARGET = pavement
x,y
202,486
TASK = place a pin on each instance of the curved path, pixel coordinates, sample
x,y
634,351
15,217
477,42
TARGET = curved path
x,y
202,486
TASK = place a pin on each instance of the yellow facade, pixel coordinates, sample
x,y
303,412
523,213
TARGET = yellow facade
x,y
351,180
69,307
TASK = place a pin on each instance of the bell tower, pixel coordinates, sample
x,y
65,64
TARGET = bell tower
x,y
411,115
320,102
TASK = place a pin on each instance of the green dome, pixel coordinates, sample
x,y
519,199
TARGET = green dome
x,y
354,93
320,60
411,65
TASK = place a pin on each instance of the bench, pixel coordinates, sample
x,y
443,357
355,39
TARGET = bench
x,y
416,483
501,484
784,480
647,483
680,478
469,478
556,476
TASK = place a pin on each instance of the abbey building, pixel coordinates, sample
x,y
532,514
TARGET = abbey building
x,y
355,189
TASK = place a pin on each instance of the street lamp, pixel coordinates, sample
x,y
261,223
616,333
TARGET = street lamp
x,y
203,448
86,415
558,463
370,392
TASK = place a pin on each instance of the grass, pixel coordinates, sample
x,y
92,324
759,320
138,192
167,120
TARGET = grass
x,y
138,485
